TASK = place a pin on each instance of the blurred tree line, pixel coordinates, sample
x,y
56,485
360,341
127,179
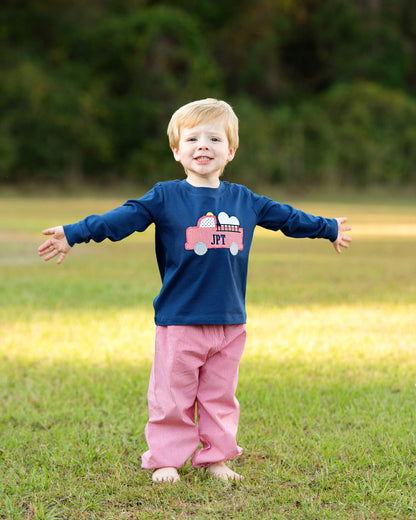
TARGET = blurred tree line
x,y
324,89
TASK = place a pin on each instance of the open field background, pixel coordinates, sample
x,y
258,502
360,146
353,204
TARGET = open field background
x,y
327,383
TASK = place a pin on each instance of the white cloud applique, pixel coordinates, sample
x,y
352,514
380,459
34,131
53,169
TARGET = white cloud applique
x,y
226,220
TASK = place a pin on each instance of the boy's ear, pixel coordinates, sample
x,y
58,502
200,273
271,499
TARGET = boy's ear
x,y
175,152
231,154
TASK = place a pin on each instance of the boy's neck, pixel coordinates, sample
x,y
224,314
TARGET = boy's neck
x,y
203,183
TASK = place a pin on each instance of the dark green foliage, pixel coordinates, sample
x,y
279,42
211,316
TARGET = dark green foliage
x,y
323,89
353,134
373,134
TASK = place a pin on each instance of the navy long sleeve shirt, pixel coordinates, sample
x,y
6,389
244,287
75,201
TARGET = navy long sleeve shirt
x,y
203,238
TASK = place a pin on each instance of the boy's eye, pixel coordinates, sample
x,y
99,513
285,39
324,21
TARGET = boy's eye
x,y
194,139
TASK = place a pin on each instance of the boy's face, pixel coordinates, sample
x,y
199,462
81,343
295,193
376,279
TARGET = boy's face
x,y
204,151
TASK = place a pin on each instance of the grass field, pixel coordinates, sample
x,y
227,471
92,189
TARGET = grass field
x,y
327,383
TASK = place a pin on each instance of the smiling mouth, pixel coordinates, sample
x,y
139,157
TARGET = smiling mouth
x,y
203,158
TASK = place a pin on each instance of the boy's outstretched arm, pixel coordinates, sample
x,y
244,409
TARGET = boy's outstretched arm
x,y
56,245
342,240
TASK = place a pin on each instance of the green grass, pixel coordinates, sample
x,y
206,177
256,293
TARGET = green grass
x,y
327,383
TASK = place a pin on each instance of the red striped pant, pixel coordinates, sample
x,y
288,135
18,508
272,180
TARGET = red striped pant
x,y
195,367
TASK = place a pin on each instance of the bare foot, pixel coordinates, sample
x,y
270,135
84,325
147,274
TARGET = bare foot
x,y
222,471
165,475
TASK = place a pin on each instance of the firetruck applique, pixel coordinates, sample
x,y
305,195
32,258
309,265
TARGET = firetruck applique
x,y
212,233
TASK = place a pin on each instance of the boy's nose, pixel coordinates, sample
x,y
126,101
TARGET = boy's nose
x,y
203,143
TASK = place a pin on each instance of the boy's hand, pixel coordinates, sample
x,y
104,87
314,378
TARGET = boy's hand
x,y
342,240
56,245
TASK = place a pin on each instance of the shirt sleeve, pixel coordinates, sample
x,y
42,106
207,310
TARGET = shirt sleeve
x,y
293,222
133,215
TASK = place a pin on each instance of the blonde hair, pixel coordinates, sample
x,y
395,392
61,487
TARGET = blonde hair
x,y
209,109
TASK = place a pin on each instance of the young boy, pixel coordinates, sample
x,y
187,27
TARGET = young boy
x,y
204,229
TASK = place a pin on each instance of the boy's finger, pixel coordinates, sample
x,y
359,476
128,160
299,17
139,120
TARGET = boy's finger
x,y
49,231
54,253
61,258
48,248
45,246
341,220
49,256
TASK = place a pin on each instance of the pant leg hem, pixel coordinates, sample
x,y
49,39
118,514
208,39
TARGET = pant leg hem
x,y
198,465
